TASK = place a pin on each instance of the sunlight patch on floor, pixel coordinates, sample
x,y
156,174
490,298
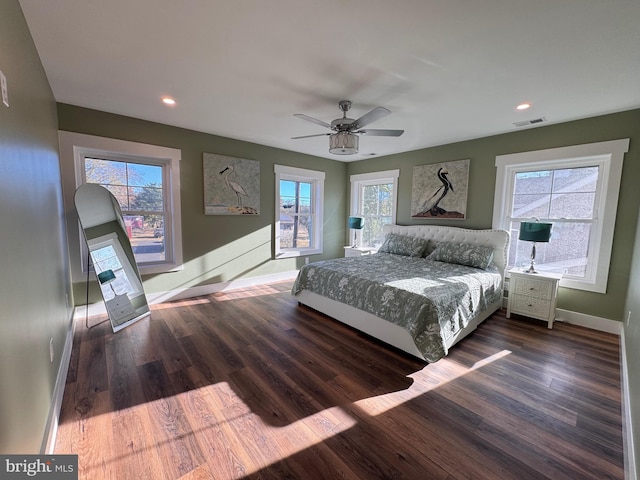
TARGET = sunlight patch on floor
x,y
429,378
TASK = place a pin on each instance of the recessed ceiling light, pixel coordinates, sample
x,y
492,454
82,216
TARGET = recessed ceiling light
x,y
168,101
523,106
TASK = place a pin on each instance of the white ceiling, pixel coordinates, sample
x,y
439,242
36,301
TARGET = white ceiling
x,y
448,70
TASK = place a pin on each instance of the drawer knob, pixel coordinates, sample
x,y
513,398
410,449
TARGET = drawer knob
x,y
530,305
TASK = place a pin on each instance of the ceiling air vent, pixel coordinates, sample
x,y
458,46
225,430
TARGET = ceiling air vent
x,y
526,123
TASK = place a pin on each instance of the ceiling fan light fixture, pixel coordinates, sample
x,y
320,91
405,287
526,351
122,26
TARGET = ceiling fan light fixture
x,y
343,143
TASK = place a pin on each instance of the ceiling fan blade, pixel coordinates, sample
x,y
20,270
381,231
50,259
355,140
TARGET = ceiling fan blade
x,y
309,136
372,116
380,133
312,120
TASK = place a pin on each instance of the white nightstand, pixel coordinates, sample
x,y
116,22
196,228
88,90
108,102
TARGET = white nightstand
x,y
358,251
533,295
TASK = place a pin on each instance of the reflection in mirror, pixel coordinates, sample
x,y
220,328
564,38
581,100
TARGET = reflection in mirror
x,y
111,254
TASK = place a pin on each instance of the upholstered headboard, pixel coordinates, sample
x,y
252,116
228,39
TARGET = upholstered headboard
x,y
498,239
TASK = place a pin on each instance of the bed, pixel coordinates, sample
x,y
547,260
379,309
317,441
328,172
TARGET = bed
x,y
427,287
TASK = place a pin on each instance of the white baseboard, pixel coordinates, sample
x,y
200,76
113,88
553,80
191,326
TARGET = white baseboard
x,y
190,292
51,430
589,321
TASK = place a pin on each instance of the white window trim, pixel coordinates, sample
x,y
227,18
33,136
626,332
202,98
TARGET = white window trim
x,y
610,155
360,180
283,172
78,146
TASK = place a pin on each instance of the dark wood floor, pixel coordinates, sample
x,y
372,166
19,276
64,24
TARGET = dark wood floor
x,y
247,384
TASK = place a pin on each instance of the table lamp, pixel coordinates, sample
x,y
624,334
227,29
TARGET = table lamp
x,y
106,278
356,223
534,232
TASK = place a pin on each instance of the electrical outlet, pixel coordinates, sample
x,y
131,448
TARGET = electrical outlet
x,y
4,89
306,260
51,350
628,317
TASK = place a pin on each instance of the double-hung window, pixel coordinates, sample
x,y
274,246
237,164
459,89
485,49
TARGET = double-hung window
x,y
373,197
575,189
145,180
299,205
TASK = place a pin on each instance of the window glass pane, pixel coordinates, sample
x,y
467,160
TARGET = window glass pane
x,y
376,206
301,231
305,193
105,172
296,231
146,234
370,200
572,205
565,253
109,264
583,179
530,205
286,231
102,254
295,196
371,235
140,175
146,199
533,182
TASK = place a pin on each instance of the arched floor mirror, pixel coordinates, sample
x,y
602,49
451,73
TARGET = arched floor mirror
x,y
111,254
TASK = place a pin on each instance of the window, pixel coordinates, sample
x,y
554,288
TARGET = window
x,y
373,197
145,180
139,189
576,189
299,202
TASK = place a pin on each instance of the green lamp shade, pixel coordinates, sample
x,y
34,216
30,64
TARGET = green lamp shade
x,y
106,276
357,223
535,231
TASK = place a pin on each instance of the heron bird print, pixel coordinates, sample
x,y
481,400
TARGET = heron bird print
x,y
231,185
440,190
235,186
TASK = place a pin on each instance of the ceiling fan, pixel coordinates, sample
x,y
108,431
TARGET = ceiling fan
x,y
344,139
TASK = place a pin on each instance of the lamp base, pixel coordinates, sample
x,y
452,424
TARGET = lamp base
x,y
531,268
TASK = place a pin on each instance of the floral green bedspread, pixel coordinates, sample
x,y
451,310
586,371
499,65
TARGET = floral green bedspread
x,y
432,300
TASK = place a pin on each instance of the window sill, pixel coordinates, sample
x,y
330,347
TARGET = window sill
x,y
297,253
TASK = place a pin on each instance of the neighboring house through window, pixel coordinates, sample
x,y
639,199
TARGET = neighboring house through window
x,y
299,205
145,180
574,188
373,197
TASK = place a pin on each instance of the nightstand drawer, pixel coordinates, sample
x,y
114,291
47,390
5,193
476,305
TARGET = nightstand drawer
x,y
531,306
534,288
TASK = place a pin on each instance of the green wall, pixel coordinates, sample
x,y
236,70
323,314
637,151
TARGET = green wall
x,y
216,248
482,177
632,343
34,284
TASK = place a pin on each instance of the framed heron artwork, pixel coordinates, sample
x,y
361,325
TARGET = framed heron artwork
x,y
231,185
440,190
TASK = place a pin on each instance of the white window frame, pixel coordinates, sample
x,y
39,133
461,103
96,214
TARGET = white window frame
x,y
316,178
609,157
80,146
361,180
